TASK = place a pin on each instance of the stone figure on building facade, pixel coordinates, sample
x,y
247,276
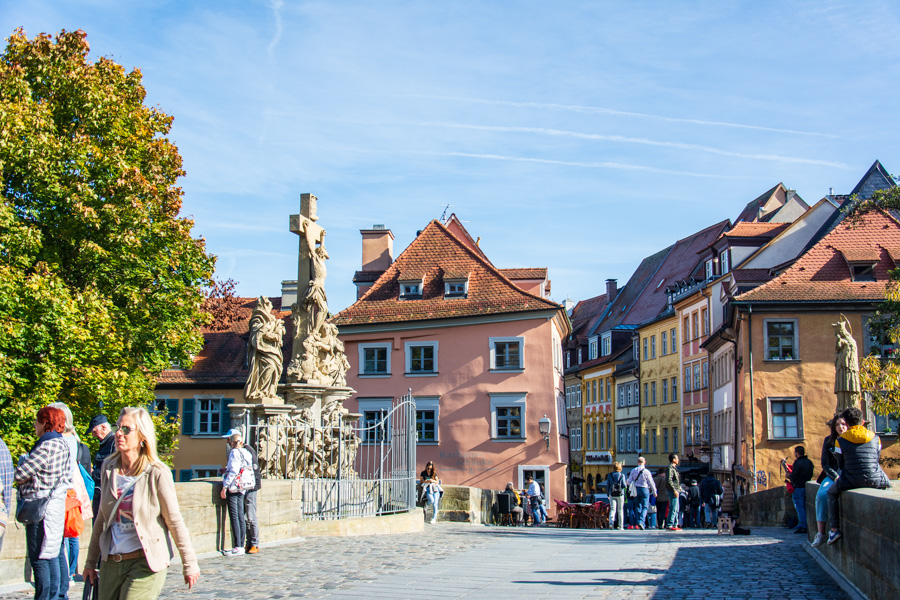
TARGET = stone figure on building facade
x,y
264,353
846,364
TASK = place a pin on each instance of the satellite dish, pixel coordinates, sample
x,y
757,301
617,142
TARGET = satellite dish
x,y
704,458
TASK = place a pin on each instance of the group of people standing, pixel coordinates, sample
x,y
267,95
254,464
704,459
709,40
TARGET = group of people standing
x,y
127,491
644,501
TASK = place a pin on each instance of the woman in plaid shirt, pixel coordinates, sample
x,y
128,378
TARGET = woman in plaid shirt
x,y
43,472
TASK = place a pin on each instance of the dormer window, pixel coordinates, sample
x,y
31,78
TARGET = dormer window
x,y
456,288
726,263
606,344
593,348
863,272
410,289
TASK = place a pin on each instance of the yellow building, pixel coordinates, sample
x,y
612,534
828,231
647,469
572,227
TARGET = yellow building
x,y
597,390
659,379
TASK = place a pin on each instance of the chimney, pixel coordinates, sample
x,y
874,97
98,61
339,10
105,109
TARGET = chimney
x,y
788,195
377,248
611,289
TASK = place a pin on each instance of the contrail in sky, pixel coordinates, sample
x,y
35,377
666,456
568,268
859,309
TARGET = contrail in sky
x,y
611,111
645,141
590,165
276,8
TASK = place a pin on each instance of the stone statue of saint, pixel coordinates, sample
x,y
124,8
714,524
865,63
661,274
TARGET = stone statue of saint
x,y
846,365
316,301
264,353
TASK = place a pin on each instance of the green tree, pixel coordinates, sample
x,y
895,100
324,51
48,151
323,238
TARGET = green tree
x,y
880,371
101,283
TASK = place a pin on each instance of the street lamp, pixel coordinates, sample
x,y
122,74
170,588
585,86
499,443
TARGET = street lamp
x,y
544,428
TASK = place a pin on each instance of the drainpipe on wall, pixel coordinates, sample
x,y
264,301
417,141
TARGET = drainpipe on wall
x,y
752,396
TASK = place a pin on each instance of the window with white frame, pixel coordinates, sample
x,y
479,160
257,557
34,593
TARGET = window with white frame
x,y
652,346
621,439
646,394
785,418
606,344
209,414
688,427
705,373
427,419
665,391
375,359
593,348
709,269
579,356
725,262
781,339
609,397
421,358
456,288
653,393
508,416
675,439
507,353
375,420
627,395
621,396
600,390
672,341
697,430
665,439
609,439
602,440
646,347
674,389
687,378
410,289
875,340
663,344
541,476
705,427
635,348
697,380
204,471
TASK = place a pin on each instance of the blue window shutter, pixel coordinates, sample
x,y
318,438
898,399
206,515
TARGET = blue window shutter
x,y
187,416
225,418
172,410
185,475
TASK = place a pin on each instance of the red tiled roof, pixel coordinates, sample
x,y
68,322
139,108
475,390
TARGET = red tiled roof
x,y
526,273
745,229
585,314
433,253
224,353
860,254
822,274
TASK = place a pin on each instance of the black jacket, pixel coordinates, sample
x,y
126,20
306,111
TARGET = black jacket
x,y
709,487
829,460
801,472
860,450
694,496
107,447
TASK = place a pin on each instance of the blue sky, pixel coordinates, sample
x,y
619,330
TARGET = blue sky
x,y
577,136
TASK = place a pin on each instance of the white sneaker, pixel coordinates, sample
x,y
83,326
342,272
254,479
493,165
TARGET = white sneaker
x,y
433,520
236,552
820,539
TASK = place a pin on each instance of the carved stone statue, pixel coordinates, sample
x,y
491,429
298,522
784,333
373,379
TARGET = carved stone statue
x,y
846,364
264,352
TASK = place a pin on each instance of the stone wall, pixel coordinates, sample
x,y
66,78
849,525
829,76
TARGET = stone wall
x,y
767,508
466,504
206,516
869,553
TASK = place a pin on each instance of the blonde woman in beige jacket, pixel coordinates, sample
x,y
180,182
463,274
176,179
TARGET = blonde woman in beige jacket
x,y
138,511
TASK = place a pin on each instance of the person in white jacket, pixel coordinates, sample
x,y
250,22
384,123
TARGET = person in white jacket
x,y
238,478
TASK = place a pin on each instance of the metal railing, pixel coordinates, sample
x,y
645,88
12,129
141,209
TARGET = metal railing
x,y
351,466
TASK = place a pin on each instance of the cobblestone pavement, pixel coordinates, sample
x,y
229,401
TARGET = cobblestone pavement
x,y
471,561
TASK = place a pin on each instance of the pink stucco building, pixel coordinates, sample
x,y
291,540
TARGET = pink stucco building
x,y
478,346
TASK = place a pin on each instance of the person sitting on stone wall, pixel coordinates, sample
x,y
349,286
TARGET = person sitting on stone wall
x,y
858,453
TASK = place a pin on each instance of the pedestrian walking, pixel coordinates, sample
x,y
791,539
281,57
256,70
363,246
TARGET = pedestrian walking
x,y
70,541
615,490
662,499
535,499
711,493
138,511
859,451
238,478
7,476
250,505
100,428
44,476
831,470
643,482
673,487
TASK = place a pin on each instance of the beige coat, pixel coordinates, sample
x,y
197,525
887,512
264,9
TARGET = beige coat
x,y
156,515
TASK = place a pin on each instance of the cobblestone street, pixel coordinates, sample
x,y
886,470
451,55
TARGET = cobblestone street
x,y
468,561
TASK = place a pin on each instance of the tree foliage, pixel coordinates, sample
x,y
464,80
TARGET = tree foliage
x,y
101,283
880,371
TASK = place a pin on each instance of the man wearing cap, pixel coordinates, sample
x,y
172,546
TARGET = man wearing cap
x,y
99,428
250,500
